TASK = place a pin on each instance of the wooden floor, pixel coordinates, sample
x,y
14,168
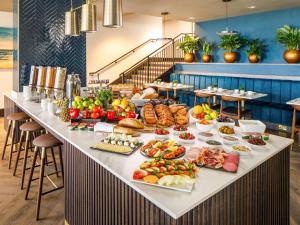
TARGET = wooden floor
x,y
14,210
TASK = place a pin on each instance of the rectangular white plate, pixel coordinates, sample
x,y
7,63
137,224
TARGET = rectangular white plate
x,y
187,188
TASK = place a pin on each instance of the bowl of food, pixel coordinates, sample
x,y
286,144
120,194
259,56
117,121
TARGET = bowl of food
x,y
179,129
204,136
212,142
256,143
226,131
224,121
187,138
161,134
204,125
229,140
252,126
241,149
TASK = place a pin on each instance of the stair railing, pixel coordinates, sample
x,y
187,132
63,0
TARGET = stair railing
x,y
160,61
101,70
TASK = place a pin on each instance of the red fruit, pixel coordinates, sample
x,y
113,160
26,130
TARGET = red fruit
x,y
139,174
96,109
74,113
110,115
95,115
230,166
86,114
131,114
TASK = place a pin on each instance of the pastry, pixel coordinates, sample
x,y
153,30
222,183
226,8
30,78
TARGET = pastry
x,y
149,114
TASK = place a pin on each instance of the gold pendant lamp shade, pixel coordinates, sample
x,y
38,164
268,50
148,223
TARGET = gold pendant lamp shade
x,y
71,23
112,13
88,17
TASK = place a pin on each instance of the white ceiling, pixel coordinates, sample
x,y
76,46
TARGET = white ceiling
x,y
200,10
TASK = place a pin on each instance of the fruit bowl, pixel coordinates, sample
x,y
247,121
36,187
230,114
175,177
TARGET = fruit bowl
x,y
204,127
200,112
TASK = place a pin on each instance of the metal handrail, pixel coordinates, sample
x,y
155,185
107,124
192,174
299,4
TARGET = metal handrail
x,y
172,40
125,55
148,56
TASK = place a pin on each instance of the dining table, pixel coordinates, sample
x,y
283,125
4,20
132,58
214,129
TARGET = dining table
x,y
170,86
232,93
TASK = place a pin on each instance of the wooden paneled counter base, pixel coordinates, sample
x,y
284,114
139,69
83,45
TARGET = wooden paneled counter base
x,y
99,191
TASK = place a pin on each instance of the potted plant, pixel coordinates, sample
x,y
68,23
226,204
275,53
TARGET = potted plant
x,y
290,38
207,49
230,43
255,51
189,45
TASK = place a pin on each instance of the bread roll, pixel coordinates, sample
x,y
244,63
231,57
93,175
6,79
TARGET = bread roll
x,y
131,123
123,130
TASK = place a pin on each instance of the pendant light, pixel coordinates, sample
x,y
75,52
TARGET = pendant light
x,y
227,31
88,17
71,22
112,13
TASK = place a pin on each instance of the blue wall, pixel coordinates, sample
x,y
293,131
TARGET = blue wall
x,y
42,40
259,25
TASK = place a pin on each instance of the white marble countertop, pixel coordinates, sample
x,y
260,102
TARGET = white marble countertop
x,y
208,183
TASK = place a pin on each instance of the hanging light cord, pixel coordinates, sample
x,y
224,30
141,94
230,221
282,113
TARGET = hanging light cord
x,y
71,5
227,23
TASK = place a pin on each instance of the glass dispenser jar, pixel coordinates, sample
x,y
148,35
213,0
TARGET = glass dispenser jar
x,y
33,77
41,79
59,84
50,80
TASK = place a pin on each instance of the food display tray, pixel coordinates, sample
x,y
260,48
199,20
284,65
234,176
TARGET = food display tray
x,y
187,188
177,157
121,153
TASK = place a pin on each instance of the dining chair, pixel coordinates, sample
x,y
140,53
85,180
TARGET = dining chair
x,y
295,128
235,112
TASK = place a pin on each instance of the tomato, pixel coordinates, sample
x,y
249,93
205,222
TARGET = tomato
x,y
170,168
110,115
96,109
86,114
152,152
74,113
95,115
139,174
131,114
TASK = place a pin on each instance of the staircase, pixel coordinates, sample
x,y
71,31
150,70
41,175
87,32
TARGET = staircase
x,y
153,66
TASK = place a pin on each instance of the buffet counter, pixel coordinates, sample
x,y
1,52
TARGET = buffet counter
x,y
99,187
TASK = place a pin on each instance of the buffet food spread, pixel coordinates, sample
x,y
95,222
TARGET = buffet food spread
x,y
177,142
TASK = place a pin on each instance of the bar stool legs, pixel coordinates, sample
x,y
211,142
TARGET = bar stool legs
x,y
6,138
43,160
19,152
25,158
12,143
36,149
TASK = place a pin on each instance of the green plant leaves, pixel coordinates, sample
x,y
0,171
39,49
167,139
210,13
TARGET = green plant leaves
x,y
256,47
189,44
289,37
230,43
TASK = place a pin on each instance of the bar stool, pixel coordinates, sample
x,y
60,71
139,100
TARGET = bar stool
x,y
294,124
13,119
28,130
208,97
44,142
233,112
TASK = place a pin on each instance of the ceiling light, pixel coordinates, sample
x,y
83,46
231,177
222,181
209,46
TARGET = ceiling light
x,y
71,23
251,7
88,17
112,13
226,31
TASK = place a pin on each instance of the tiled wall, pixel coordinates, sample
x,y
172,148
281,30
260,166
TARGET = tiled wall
x,y
271,108
42,40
